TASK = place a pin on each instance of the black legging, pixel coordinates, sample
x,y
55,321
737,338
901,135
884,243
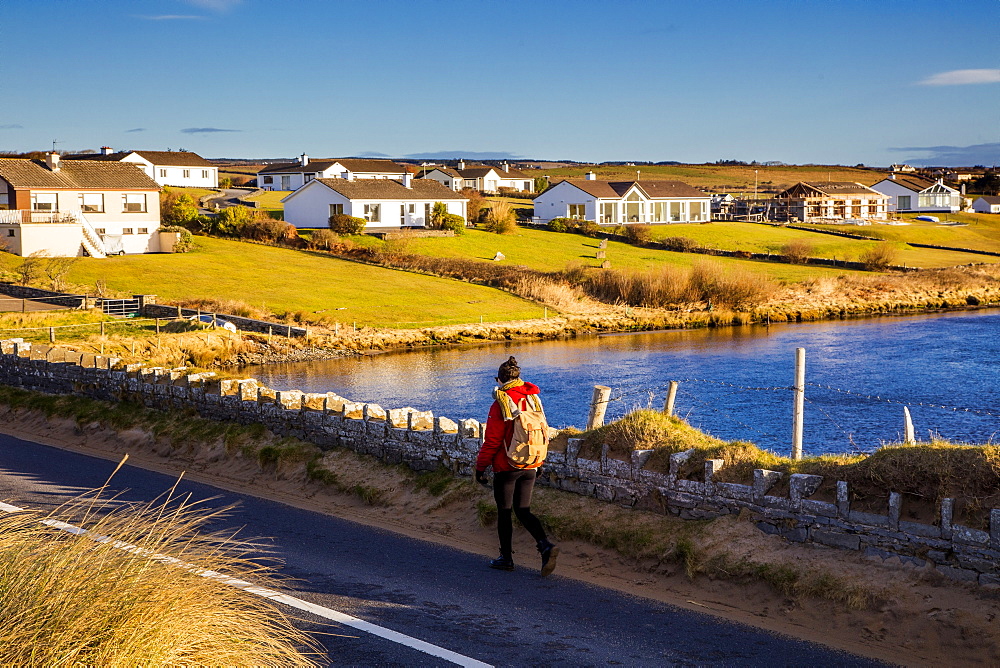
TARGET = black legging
x,y
512,491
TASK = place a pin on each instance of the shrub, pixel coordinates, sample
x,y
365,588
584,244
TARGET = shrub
x,y
265,229
323,240
438,212
638,234
656,288
477,203
680,244
730,287
500,218
557,225
186,241
588,228
229,220
878,257
177,208
343,224
453,222
797,251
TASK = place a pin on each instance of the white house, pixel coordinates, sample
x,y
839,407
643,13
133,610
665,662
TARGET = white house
x,y
292,176
183,169
77,207
909,193
381,202
481,177
619,202
986,204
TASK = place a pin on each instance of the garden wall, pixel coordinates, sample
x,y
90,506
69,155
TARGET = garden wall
x,y
425,442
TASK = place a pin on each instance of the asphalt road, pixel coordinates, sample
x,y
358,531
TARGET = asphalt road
x,y
436,594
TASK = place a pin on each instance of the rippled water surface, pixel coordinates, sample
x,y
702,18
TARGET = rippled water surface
x,y
946,359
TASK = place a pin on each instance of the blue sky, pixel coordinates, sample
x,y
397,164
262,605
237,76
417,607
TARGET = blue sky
x,y
799,81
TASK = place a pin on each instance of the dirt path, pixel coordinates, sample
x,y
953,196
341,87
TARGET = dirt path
x,y
922,619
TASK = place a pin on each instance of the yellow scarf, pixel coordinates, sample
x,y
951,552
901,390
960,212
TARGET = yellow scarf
x,y
508,409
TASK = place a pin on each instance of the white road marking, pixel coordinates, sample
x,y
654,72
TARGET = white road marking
x,y
278,597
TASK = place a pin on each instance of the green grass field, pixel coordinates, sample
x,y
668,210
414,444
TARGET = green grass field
x,y
980,232
271,200
551,251
284,280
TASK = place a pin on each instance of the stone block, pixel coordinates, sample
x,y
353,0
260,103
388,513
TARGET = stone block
x,y
443,425
995,528
354,410
712,466
763,480
802,486
975,563
843,499
375,428
989,581
895,507
56,355
23,349
102,362
937,556
374,413
469,429
423,438
958,574
289,400
868,519
639,458
677,459
820,508
836,539
691,487
399,418
776,502
947,511
967,536
266,395
732,490
74,357
9,346
227,387
314,401
420,421
247,390
38,351
919,529
335,403
470,445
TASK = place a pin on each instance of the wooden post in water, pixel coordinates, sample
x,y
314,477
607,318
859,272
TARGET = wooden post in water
x,y
908,436
668,407
598,406
798,412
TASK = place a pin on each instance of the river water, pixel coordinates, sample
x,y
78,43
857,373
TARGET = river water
x,y
734,382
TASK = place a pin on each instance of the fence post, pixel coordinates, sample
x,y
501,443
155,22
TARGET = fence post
x,y
668,407
52,334
24,305
157,325
799,404
269,330
179,313
598,406
102,328
215,320
289,331
908,437
336,329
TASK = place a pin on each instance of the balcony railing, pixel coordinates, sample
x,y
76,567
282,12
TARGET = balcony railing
x,y
21,216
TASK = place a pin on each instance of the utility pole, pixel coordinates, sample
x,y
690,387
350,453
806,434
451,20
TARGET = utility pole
x,y
755,184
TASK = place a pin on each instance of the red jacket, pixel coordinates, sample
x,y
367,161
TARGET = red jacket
x,y
499,432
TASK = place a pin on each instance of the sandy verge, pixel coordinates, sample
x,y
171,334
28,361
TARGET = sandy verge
x,y
922,620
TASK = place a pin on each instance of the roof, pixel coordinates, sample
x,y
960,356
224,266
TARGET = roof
x,y
75,174
911,181
832,189
447,170
166,158
652,189
990,199
389,189
356,165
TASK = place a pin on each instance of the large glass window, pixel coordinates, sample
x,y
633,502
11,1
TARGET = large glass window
x,y
903,202
609,212
336,209
696,212
44,202
578,211
633,209
134,202
676,212
373,213
92,202
660,212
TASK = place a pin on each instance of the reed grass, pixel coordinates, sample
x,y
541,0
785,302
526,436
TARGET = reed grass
x,y
69,600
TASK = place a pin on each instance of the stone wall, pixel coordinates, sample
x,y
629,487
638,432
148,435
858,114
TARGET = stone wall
x,y
425,442
245,324
48,296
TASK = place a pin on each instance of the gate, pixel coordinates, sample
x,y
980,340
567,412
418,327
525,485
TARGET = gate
x,y
122,308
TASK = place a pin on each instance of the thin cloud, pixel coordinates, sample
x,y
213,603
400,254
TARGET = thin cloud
x,y
195,131
172,17
11,126
953,156
136,130
962,77
215,5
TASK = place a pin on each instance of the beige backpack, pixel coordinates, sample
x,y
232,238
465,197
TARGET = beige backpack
x,y
530,443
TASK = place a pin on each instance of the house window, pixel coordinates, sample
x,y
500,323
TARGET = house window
x,y
676,212
609,212
143,230
134,202
44,202
100,230
634,209
204,173
4,202
696,211
163,173
268,179
578,211
127,230
372,213
286,182
903,202
336,209
412,208
92,202
660,212
10,232
187,173
308,177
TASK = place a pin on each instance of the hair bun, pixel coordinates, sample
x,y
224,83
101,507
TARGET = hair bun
x,y
511,361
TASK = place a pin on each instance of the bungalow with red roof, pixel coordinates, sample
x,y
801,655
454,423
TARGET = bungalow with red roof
x,y
623,202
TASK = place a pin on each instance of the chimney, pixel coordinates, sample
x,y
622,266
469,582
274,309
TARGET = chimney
x,y
893,176
303,159
52,160
461,164
106,150
407,180
590,176
505,166
347,176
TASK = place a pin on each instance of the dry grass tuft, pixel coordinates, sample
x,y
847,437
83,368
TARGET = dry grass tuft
x,y
78,600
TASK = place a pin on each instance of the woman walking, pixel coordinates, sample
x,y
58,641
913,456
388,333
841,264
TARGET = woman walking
x,y
512,486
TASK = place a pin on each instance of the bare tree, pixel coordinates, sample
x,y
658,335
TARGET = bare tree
x,y
30,267
56,268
